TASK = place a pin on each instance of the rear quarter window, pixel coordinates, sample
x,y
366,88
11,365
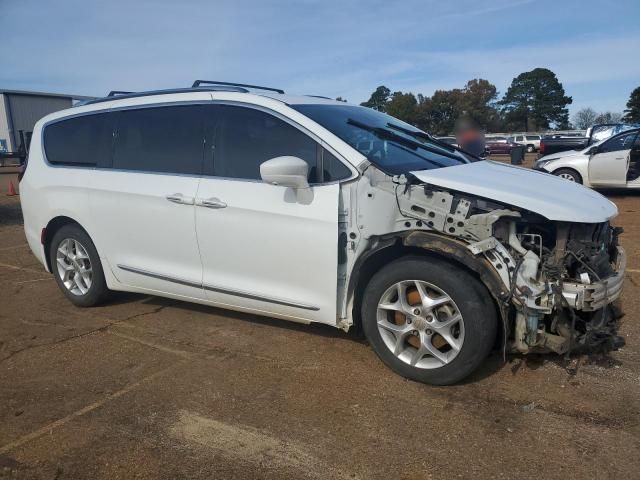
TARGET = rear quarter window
x,y
80,141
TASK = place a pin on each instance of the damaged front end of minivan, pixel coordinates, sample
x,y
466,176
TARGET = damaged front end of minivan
x,y
558,279
555,282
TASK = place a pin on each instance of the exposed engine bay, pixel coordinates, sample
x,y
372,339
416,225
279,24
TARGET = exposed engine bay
x,y
561,277
557,281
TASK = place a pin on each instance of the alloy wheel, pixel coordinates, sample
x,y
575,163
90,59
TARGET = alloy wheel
x,y
74,266
420,324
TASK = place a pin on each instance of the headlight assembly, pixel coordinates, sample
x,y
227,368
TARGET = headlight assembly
x,y
543,163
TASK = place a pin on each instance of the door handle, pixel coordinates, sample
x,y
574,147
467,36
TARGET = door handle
x,y
180,199
212,202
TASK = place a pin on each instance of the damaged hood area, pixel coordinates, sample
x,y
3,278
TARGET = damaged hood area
x,y
552,197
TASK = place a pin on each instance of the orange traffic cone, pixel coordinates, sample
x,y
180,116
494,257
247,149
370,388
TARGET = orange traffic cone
x,y
12,190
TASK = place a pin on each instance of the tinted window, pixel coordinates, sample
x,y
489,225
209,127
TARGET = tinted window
x,y
84,140
332,168
394,146
621,142
533,137
246,137
163,139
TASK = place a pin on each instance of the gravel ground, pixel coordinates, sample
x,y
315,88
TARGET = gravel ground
x,y
145,387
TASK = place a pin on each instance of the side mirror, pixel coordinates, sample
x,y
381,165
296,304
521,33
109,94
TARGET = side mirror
x,y
592,150
285,171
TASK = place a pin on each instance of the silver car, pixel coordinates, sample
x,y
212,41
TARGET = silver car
x,y
610,163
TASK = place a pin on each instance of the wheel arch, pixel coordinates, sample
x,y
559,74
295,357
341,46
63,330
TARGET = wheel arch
x,y
426,244
571,169
53,226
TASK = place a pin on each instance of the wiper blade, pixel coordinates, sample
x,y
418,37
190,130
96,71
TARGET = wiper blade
x,y
431,139
391,135
424,136
384,133
418,134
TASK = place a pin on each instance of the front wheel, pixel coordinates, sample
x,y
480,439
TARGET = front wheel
x,y
568,174
428,320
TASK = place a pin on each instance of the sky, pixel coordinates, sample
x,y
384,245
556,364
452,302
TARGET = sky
x,y
324,47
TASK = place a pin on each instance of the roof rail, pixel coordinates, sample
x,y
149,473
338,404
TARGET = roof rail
x,y
123,95
319,96
197,83
113,93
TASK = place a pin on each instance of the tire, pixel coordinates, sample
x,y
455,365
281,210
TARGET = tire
x,y
76,267
531,149
568,174
476,331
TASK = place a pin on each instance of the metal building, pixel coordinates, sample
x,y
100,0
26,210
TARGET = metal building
x,y
20,110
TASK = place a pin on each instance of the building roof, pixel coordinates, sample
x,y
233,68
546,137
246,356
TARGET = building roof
x,y
45,94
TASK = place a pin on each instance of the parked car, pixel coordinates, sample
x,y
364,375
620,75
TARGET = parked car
x,y
253,200
499,145
614,162
554,144
530,141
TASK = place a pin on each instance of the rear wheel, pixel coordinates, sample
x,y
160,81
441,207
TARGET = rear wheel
x,y
568,174
429,320
76,267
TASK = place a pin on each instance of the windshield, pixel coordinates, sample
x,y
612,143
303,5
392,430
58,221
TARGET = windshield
x,y
392,145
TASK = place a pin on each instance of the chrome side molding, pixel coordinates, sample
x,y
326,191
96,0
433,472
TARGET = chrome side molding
x,y
239,293
212,288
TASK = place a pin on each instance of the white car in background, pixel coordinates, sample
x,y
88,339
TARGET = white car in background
x,y
531,141
609,163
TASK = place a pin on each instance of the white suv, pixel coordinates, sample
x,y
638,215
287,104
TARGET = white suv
x,y
531,142
313,210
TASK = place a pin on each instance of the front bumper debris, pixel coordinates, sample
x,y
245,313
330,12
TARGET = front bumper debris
x,y
597,295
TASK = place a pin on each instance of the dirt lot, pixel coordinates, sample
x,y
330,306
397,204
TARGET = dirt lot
x,y
150,388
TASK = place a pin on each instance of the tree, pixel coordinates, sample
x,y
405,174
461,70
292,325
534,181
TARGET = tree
x,y
340,99
378,99
608,117
536,99
478,102
439,113
584,118
402,106
632,112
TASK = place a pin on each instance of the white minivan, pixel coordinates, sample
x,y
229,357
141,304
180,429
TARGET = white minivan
x,y
313,210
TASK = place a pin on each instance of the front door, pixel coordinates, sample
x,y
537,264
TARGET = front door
x,y
266,248
609,166
145,200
